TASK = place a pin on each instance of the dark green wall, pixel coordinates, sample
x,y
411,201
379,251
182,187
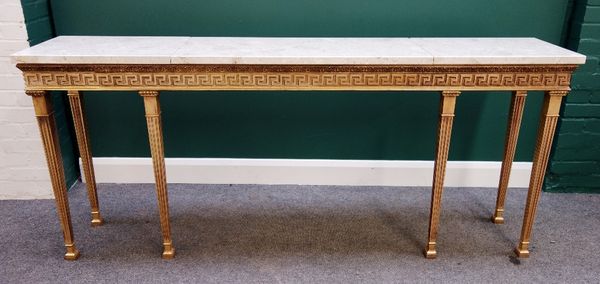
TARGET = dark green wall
x,y
575,161
336,125
38,20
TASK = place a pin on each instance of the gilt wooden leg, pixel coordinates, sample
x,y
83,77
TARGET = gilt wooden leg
x,y
42,103
548,120
153,120
447,103
75,99
512,134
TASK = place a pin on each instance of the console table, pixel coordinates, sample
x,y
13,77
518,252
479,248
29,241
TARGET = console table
x,y
152,64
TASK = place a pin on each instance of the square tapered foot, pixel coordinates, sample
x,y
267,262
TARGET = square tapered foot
x,y
497,219
522,250
97,219
522,253
97,222
72,253
168,252
430,252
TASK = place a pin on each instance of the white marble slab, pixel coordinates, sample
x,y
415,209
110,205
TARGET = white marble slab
x,y
497,51
102,50
333,51
310,51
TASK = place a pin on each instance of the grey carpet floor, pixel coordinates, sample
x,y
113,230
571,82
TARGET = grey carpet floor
x,y
300,234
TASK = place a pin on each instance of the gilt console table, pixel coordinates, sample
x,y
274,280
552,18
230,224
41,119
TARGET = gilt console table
x,y
152,64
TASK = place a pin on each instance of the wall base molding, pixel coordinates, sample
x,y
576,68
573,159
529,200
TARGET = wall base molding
x,y
308,171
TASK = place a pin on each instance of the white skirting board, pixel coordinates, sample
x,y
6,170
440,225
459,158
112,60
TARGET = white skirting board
x,y
313,172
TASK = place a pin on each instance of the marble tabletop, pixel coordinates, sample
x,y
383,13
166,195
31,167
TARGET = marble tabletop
x,y
307,51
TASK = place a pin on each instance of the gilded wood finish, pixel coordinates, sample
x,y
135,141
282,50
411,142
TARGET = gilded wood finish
x,y
296,77
152,109
42,103
76,102
512,133
447,105
149,79
548,120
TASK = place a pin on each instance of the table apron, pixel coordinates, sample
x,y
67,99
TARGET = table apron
x,y
296,78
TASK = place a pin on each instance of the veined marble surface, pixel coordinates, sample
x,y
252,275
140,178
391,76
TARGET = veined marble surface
x,y
309,51
102,50
497,51
301,51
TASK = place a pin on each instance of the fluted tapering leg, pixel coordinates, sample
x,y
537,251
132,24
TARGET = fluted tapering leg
x,y
548,120
512,134
448,101
152,107
76,102
42,103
